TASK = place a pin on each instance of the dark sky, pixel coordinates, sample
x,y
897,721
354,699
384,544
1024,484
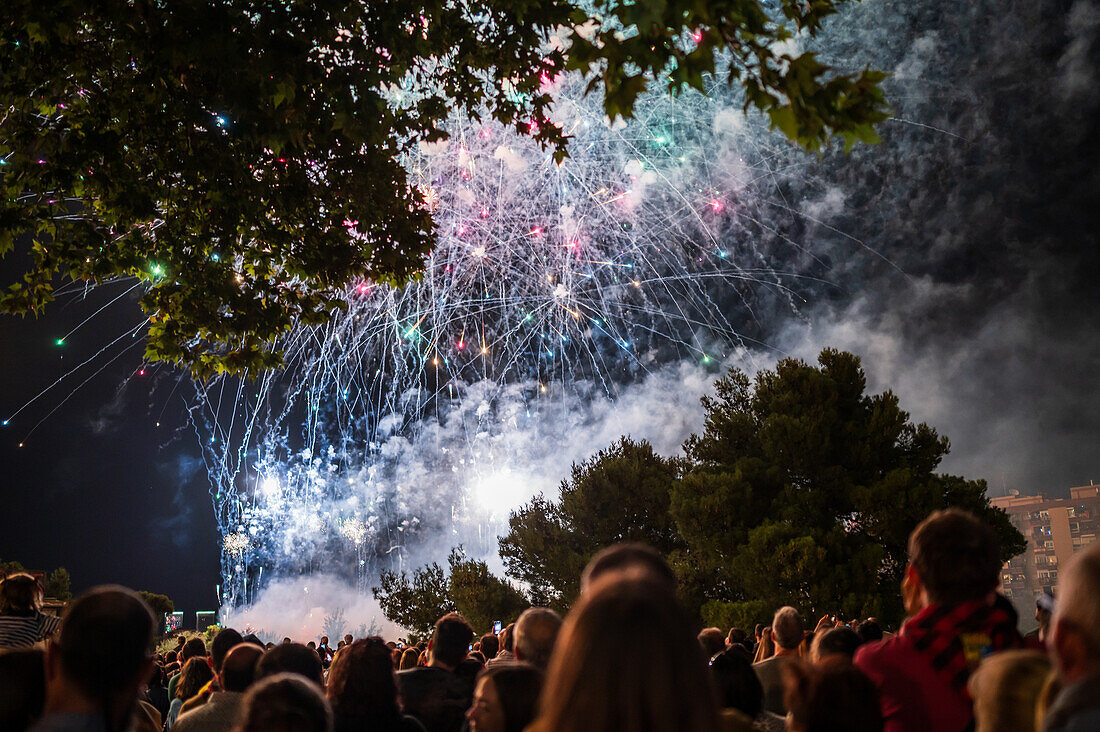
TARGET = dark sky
x,y
984,196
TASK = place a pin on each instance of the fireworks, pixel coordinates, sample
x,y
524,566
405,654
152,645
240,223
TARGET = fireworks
x,y
549,282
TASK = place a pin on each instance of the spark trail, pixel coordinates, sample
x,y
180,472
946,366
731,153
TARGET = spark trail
x,y
552,288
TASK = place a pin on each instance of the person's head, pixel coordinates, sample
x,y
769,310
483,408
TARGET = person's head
x,y
223,641
311,646
633,558
450,640
953,558
194,648
254,640
409,658
535,633
736,682
833,695
609,674
104,653
711,641
507,638
238,669
1044,613
361,682
505,698
787,628
324,640
180,640
766,648
735,636
869,630
489,646
291,658
23,680
20,593
286,639
170,657
285,702
195,675
1075,628
1006,689
840,641
759,631
348,639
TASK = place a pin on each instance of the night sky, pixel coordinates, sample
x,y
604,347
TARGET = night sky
x,y
985,199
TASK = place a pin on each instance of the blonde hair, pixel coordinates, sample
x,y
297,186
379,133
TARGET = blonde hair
x,y
1006,689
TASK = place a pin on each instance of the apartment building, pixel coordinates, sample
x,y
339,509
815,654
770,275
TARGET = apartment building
x,y
1055,528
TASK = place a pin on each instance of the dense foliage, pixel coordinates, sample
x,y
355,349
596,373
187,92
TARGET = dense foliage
x,y
466,586
245,159
620,494
161,605
801,489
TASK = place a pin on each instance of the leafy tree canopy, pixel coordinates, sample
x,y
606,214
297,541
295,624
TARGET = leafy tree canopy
x,y
57,585
620,494
161,605
801,489
243,159
466,586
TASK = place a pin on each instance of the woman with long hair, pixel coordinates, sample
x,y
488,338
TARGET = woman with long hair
x,y
766,649
409,659
505,698
627,660
363,692
22,624
196,672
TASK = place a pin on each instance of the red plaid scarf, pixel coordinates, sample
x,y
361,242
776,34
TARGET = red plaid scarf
x,y
955,638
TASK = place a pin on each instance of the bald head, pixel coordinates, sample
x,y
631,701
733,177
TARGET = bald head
x,y
535,634
239,667
1076,628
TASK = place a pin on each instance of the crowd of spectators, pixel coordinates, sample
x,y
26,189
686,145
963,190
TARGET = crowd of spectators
x,y
627,656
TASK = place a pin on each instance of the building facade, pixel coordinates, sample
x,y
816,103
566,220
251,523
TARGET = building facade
x,y
1055,528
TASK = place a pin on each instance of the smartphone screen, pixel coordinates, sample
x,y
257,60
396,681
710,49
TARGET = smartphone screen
x,y
496,627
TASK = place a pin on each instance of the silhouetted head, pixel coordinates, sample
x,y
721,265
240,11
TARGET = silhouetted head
x,y
835,642
223,641
361,683
834,695
489,645
956,557
451,639
736,682
20,594
627,659
285,702
787,628
631,557
106,643
238,669
536,631
291,658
